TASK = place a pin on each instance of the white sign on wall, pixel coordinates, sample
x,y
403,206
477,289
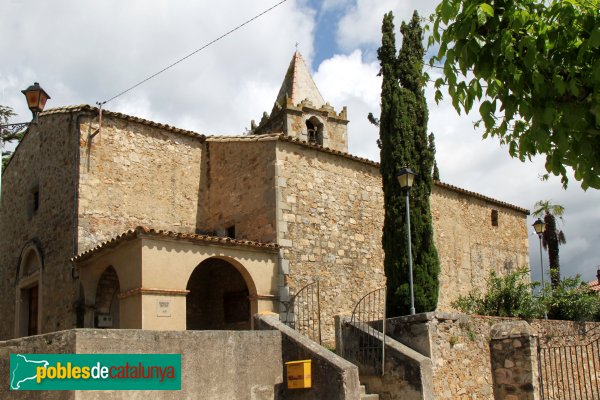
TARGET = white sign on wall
x,y
163,308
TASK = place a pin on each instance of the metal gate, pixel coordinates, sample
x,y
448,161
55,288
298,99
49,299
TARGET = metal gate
x,y
366,316
569,366
303,312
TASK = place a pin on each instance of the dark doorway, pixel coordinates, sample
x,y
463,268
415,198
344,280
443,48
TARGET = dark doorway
x,y
32,322
218,297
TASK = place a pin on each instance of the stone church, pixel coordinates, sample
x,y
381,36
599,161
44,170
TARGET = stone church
x,y
109,220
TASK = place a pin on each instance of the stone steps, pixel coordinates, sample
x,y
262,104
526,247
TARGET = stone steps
x,y
365,396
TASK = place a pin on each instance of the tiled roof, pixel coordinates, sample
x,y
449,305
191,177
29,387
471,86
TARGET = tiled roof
x,y
594,285
481,196
141,231
88,108
286,138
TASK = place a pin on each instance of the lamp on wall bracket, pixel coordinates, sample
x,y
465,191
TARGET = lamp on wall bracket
x,y
36,99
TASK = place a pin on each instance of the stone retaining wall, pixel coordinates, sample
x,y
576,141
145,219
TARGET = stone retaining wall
x,y
459,347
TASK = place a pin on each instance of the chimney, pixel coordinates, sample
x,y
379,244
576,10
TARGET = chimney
x,y
598,274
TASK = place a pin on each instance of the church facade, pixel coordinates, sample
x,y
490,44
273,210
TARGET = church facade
x,y
114,221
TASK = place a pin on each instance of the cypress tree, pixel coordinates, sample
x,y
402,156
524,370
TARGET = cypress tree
x,y
404,142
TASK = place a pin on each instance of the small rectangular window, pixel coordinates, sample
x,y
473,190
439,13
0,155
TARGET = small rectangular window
x,y
36,200
231,232
494,217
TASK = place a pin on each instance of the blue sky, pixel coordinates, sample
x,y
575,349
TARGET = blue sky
x,y
85,52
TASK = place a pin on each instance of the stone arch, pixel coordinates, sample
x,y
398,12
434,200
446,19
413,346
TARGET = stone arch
x,y
222,295
314,130
106,304
28,318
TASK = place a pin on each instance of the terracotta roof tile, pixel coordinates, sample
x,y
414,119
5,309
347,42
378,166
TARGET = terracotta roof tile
x,y
88,108
481,196
142,231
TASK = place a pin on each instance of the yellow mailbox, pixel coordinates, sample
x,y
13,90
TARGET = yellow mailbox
x,y
299,374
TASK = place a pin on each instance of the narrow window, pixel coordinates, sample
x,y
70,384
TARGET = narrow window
x,y
36,200
231,232
494,217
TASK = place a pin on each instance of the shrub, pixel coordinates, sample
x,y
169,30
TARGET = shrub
x,y
506,296
512,295
572,300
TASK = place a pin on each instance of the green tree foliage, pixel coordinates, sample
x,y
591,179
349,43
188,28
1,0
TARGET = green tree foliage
x,y
506,296
512,295
552,237
5,137
536,67
572,300
403,141
435,174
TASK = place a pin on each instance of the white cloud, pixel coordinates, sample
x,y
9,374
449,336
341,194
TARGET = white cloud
x,y
86,52
361,25
345,80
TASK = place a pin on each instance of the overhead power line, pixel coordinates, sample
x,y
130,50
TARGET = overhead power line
x,y
192,53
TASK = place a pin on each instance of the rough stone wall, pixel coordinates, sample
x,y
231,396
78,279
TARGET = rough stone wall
x,y
329,221
45,161
459,347
514,361
135,174
291,120
239,187
469,245
334,126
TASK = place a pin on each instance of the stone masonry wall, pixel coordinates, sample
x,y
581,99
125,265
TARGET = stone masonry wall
x,y
44,161
135,174
330,220
469,245
459,347
239,187
335,126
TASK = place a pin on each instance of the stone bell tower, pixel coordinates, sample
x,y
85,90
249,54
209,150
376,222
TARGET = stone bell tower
x,y
301,112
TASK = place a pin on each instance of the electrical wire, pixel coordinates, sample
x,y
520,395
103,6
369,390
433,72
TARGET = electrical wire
x,y
193,53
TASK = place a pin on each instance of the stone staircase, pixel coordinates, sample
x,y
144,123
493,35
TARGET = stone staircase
x,y
365,396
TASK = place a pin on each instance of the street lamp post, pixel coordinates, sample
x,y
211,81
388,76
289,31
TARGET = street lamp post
x,y
539,226
36,101
405,178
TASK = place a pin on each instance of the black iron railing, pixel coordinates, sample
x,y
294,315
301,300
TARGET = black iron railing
x,y
369,315
303,312
569,366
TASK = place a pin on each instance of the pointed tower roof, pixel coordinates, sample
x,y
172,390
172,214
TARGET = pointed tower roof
x,y
298,84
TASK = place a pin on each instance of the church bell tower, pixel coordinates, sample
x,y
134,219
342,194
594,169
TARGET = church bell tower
x,y
300,111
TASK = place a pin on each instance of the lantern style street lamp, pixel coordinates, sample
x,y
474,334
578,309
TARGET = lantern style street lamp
x,y
406,178
539,226
36,100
